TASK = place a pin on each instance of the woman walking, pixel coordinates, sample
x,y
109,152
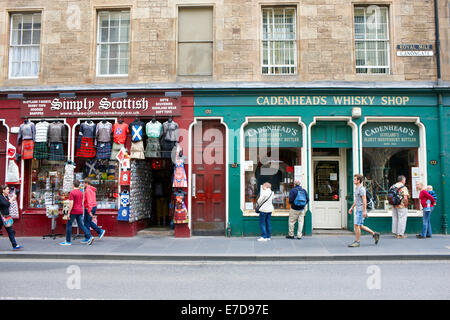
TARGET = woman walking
x,y
5,202
265,208
427,201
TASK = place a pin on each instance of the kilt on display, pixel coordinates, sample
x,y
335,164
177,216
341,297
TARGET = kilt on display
x,y
115,150
137,150
153,149
87,148
103,150
56,152
27,149
40,150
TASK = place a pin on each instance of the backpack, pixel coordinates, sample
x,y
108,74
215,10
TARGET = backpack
x,y
300,199
393,196
371,201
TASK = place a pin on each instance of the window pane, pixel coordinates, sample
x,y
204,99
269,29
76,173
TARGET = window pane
x,y
104,35
123,66
124,31
113,51
113,66
36,37
26,37
16,37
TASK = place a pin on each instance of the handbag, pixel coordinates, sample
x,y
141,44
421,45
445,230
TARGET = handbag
x,y
257,207
7,221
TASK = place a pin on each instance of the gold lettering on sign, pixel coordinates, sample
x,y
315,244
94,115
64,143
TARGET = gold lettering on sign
x,y
338,100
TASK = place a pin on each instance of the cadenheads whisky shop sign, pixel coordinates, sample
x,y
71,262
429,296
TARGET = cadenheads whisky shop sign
x,y
100,107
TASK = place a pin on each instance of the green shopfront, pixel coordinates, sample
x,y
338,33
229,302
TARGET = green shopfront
x,y
322,137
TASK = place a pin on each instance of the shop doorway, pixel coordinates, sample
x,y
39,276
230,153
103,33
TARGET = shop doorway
x,y
162,173
208,178
329,185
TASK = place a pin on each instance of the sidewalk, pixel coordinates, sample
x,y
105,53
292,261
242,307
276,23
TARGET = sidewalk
x,y
310,248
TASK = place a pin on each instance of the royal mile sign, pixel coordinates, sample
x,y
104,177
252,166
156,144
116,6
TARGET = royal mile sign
x,y
100,107
395,134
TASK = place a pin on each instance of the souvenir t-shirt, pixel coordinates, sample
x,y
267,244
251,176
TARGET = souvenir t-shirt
x,y
120,131
77,196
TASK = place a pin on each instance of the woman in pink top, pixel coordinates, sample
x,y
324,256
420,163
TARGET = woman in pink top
x,y
427,201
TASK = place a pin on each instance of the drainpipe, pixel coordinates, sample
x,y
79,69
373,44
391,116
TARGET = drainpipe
x,y
442,128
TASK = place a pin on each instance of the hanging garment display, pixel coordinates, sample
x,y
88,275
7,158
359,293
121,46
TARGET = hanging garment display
x,y
153,149
104,131
27,149
179,175
27,131
57,136
12,174
169,138
115,150
40,146
125,199
120,132
180,211
154,129
137,150
88,129
68,179
56,151
103,150
87,148
137,130
13,207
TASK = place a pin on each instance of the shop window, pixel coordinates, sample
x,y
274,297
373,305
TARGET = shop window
x,y
102,171
390,150
46,183
272,154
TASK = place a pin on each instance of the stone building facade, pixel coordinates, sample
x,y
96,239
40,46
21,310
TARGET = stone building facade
x,y
324,31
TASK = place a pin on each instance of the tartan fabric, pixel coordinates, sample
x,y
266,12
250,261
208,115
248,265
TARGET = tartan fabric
x,y
87,148
56,151
153,149
27,149
103,150
137,150
40,150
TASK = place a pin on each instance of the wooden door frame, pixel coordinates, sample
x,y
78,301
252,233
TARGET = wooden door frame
x,y
342,159
191,133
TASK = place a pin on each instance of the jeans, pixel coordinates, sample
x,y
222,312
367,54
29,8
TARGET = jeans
x,y
426,227
79,219
10,234
264,223
88,221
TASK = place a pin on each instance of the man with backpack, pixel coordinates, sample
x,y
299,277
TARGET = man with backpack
x,y
398,198
298,199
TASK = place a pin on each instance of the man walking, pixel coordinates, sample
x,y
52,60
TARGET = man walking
x,y
298,199
360,206
90,207
400,211
76,212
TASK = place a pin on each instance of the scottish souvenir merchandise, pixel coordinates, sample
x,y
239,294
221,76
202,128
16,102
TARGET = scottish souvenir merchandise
x,y
120,132
42,131
124,214
140,190
124,178
153,149
179,176
103,150
56,151
137,150
170,131
27,149
124,199
87,148
104,131
57,132
88,129
137,130
153,129
115,150
180,212
12,174
69,170
40,150
27,131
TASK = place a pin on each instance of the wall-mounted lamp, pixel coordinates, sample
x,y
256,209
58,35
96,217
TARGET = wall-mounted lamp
x,y
68,95
15,96
173,94
119,95
356,113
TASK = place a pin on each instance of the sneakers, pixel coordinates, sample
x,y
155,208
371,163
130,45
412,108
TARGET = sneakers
x,y
100,236
376,236
289,237
18,247
65,243
262,239
354,244
88,241
419,236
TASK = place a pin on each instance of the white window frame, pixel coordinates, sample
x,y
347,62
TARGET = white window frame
x,y
386,41
11,45
100,43
270,41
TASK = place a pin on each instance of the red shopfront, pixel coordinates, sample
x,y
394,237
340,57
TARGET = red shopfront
x,y
42,177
